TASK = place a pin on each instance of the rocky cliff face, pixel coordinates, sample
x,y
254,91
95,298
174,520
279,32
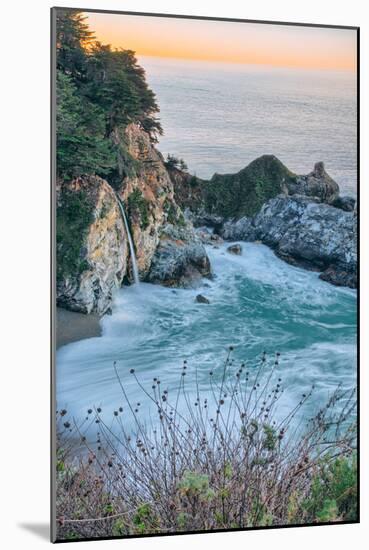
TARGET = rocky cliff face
x,y
233,196
302,218
147,194
180,258
91,245
305,232
318,184
92,254
159,229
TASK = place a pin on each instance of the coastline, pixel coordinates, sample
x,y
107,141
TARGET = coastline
x,y
72,326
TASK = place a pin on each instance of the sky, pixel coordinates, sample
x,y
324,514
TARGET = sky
x,y
249,43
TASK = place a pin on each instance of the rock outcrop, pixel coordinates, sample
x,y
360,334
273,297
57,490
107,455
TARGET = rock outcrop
x,y
307,233
235,249
201,299
92,255
233,196
345,202
180,258
303,218
147,193
167,249
91,245
318,184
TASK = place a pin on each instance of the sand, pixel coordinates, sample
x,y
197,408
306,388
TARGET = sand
x,y
71,326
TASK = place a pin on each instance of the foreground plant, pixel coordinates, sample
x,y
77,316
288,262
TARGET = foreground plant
x,y
222,461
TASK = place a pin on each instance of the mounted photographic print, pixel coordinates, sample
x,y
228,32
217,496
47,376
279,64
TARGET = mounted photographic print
x,y
204,274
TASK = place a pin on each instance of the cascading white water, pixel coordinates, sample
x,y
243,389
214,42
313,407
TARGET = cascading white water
x,y
257,302
130,242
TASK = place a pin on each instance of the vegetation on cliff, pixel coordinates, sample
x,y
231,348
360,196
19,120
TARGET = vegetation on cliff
x,y
138,205
75,213
98,89
232,195
230,460
244,193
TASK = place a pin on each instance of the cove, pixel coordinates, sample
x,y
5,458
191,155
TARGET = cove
x,y
257,303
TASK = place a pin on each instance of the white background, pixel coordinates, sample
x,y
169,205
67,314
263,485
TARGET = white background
x,y
24,261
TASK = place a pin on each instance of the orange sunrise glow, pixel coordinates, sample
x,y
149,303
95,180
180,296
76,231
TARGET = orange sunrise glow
x,y
249,43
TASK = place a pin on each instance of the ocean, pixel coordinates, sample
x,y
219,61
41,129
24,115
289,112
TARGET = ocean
x,y
257,303
219,117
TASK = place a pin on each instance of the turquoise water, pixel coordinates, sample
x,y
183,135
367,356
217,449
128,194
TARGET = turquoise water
x,y
219,117
257,303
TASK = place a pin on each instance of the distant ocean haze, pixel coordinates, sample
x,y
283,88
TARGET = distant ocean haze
x,y
219,117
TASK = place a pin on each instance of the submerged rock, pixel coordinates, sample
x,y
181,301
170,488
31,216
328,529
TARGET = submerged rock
x,y
235,249
180,258
202,299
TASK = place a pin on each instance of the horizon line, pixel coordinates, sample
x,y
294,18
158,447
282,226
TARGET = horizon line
x,y
241,63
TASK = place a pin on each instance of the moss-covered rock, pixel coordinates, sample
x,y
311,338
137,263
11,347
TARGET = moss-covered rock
x,y
234,196
244,193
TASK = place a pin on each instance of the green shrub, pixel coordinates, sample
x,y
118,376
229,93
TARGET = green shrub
x,y
138,204
334,491
244,193
174,162
73,218
98,89
194,467
174,215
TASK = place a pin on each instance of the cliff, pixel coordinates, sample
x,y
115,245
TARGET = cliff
x,y
306,233
244,193
302,217
93,257
148,195
91,245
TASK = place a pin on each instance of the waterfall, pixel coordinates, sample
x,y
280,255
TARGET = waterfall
x,y
130,242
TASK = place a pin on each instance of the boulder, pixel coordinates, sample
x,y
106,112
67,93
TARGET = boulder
x,y
242,229
200,299
317,184
207,236
235,249
180,258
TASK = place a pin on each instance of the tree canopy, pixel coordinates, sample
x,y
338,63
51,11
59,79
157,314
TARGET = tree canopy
x,y
98,89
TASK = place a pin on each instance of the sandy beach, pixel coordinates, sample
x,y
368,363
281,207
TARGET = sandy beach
x,y
71,326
